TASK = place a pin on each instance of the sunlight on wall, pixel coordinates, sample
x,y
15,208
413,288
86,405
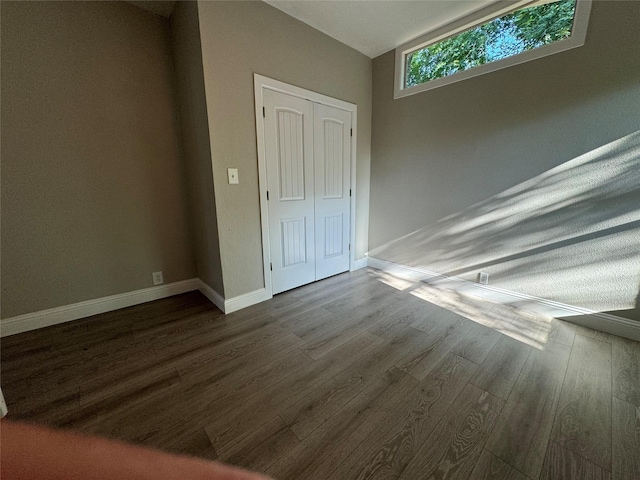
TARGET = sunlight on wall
x,y
571,234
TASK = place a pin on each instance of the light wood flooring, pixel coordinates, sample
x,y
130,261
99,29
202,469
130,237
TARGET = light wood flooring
x,y
358,376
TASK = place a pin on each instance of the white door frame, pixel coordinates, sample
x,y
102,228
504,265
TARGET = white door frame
x,y
260,83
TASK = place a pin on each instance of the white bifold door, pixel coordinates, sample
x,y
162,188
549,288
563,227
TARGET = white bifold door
x,y
308,156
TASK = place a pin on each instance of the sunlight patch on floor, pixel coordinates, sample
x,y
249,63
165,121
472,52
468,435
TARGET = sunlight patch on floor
x,y
526,327
395,282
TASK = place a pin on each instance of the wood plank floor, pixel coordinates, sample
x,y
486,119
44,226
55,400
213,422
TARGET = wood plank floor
x,y
359,376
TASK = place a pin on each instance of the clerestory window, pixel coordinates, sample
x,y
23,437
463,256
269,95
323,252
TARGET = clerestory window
x,y
490,41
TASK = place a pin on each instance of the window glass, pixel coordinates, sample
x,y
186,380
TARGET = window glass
x,y
503,37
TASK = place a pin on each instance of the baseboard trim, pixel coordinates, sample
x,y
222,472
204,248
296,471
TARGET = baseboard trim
x,y
622,327
246,300
75,311
360,263
211,294
613,324
588,318
235,303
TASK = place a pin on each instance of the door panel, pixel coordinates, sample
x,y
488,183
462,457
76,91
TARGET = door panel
x,y
332,132
293,241
289,155
332,158
333,235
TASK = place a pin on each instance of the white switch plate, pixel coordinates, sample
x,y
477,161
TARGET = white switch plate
x,y
157,278
233,175
3,405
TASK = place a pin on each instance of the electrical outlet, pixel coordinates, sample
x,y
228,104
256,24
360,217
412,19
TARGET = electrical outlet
x,y
157,278
233,176
483,278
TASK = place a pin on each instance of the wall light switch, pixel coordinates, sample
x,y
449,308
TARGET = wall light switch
x,y
233,175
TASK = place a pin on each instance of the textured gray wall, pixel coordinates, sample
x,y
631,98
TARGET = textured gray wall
x,y
238,39
92,194
450,165
194,126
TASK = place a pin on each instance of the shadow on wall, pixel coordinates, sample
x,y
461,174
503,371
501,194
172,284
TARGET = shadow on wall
x,y
634,313
571,234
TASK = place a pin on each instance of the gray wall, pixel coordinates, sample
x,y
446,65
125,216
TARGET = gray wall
x,y
92,194
238,39
194,127
450,165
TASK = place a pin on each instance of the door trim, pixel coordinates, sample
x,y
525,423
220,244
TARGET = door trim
x,y
260,83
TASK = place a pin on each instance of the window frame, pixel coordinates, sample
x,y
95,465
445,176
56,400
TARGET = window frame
x,y
481,16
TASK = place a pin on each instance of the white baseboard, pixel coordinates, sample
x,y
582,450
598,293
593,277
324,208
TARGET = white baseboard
x,y
358,264
211,294
233,304
75,311
613,324
246,300
600,321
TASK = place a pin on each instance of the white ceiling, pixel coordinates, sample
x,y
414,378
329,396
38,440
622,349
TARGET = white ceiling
x,y
374,27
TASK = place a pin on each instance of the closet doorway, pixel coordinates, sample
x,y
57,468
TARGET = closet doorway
x,y
306,152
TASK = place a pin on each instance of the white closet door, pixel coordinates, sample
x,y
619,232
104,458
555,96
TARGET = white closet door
x,y
289,155
332,157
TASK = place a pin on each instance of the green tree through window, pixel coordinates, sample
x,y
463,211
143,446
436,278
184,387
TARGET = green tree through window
x,y
500,38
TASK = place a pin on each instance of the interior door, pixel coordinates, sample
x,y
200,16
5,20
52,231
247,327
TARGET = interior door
x,y
332,160
290,184
308,160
